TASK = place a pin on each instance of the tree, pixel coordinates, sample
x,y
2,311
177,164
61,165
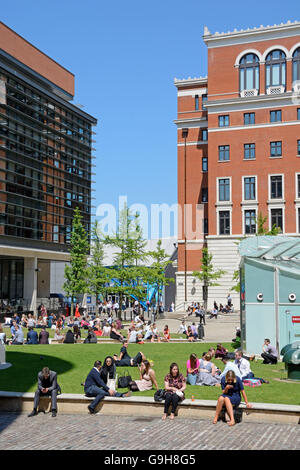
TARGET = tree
x,y
126,271
261,230
98,274
76,271
156,273
207,275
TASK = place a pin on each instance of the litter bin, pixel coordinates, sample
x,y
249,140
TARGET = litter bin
x,y
291,359
200,331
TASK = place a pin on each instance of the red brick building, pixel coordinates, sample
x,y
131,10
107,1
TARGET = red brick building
x,y
238,148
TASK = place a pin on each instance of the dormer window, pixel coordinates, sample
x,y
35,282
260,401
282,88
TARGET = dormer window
x,y
249,73
276,71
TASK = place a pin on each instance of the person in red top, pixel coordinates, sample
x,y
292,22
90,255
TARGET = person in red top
x,y
167,335
77,314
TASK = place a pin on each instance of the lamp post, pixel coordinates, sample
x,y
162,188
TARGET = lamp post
x,y
185,132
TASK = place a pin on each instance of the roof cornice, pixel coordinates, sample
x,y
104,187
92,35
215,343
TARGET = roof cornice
x,y
245,35
190,81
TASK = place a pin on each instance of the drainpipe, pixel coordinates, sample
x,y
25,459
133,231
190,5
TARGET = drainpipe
x,y
276,303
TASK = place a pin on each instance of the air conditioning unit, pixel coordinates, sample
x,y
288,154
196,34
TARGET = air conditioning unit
x,y
249,93
275,90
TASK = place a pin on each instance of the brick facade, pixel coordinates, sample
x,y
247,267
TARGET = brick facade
x,y
252,149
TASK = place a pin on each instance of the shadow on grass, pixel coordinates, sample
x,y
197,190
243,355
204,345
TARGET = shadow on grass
x,y
22,375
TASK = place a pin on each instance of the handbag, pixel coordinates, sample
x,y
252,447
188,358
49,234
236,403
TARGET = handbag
x,y
124,380
159,395
111,383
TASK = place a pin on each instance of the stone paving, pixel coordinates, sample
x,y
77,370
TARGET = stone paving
x,y
109,433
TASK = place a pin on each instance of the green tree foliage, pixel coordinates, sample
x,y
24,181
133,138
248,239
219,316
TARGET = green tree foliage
x,y
76,271
98,274
129,245
156,274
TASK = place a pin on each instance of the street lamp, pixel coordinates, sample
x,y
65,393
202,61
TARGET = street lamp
x,y
185,132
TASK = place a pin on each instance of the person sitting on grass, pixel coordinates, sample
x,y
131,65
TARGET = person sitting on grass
x,y
106,329
32,336
270,354
232,387
182,328
244,367
94,386
91,337
69,338
153,333
189,335
18,337
114,333
58,336
220,351
124,360
132,335
167,335
192,369
207,372
147,379
175,386
97,330
229,365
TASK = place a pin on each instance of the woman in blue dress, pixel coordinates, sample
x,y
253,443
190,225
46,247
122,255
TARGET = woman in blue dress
x,y
232,387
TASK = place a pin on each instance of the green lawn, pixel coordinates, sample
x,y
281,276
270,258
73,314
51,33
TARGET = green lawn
x,y
73,362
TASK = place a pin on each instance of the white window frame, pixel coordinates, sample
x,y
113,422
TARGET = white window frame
x,y
249,208
277,206
277,200
249,201
221,209
224,203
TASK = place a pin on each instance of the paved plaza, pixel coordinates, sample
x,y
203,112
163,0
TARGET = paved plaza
x,y
100,432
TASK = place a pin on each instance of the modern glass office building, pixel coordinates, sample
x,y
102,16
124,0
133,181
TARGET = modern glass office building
x,y
45,166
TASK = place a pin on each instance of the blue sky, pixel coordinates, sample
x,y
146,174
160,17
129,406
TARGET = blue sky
x,y
125,56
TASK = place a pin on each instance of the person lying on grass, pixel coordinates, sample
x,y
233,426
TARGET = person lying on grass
x,y
124,360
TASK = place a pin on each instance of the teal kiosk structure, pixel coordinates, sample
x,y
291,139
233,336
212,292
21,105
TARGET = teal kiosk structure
x,y
269,291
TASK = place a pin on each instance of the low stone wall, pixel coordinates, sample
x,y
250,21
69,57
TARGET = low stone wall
x,y
146,406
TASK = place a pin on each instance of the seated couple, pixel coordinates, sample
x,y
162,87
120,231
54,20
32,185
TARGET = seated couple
x,y
96,387
202,371
124,360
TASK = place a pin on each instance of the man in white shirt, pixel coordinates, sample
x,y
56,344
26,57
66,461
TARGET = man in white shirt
x,y
182,328
244,368
229,365
243,365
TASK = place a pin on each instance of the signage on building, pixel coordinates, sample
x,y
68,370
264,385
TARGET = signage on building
x,y
296,319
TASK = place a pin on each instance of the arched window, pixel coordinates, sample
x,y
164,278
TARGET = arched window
x,y
275,69
296,65
249,72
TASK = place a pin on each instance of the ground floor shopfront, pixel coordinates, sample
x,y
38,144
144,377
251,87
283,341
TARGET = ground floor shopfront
x,y
27,275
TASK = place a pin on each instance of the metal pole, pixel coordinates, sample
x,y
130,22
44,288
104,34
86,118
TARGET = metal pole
x,y
185,134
